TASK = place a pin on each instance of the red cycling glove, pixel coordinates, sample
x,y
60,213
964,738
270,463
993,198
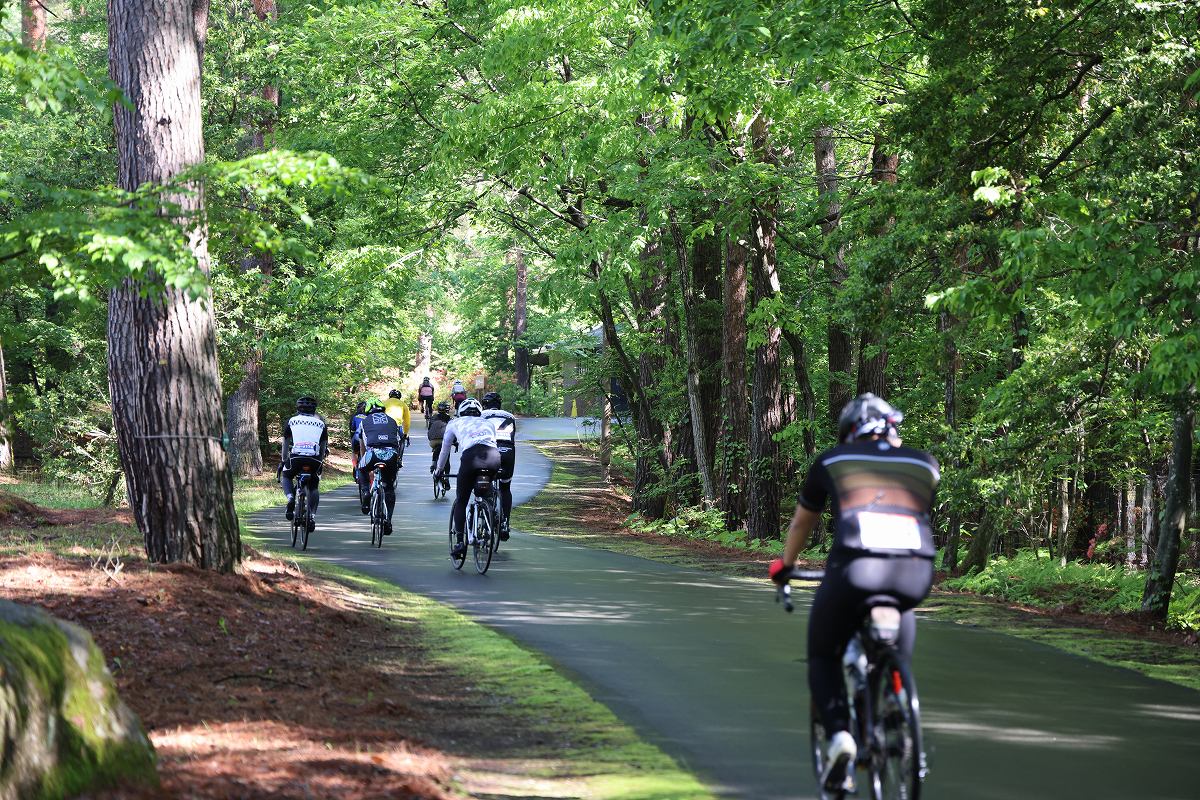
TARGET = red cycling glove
x,y
776,569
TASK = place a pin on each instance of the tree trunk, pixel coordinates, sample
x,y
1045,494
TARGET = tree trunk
x,y
1172,522
241,420
163,377
242,408
735,399
520,311
33,24
691,344
808,399
980,549
1129,524
872,351
767,415
7,459
841,356
1147,520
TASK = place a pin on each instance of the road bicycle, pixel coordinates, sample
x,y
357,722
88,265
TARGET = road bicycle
x,y
378,505
302,521
885,712
441,486
483,522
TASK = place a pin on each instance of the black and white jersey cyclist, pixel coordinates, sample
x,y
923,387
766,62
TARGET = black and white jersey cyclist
x,y
305,444
506,442
880,495
381,438
476,438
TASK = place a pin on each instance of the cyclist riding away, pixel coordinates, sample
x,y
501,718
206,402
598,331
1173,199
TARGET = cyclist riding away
x,y
881,495
356,420
437,430
506,443
305,442
381,439
458,393
425,394
476,438
397,409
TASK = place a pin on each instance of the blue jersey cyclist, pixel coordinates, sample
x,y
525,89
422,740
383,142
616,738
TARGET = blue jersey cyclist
x,y
880,495
381,437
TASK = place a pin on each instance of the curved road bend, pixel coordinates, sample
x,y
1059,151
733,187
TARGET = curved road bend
x,y
712,670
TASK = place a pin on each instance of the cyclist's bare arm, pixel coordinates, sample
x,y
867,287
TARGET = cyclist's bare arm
x,y
803,522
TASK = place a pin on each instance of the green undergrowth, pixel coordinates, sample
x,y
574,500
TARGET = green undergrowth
x,y
702,524
1091,588
587,748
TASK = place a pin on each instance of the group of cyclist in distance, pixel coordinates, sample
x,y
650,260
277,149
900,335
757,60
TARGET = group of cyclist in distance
x,y
379,433
880,493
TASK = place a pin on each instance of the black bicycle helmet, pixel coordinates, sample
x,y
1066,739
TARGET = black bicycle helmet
x,y
868,415
493,400
395,393
306,404
361,408
443,407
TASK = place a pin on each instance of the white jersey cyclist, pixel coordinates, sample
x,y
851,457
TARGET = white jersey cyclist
x,y
506,440
466,432
305,435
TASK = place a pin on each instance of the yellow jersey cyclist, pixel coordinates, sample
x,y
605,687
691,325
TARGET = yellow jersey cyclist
x,y
397,409
881,495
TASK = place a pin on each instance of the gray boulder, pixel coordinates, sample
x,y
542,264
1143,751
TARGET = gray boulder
x,y
63,728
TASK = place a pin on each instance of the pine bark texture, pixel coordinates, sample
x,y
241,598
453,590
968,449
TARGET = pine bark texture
x,y
33,24
163,377
735,398
841,355
1172,521
873,352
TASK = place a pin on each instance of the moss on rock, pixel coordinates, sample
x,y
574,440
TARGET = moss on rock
x,y
63,727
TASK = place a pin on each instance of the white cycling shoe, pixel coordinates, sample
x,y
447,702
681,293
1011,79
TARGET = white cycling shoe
x,y
839,763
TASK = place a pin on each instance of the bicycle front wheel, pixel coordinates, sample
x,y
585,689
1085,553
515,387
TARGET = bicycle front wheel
x,y
896,762
485,537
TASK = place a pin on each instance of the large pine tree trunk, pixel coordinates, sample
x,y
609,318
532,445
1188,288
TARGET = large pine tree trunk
x,y
520,321
1172,522
767,386
162,362
734,397
808,399
33,23
841,355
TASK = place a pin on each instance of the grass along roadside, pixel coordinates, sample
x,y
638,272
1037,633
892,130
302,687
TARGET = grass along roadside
x,y
537,734
578,505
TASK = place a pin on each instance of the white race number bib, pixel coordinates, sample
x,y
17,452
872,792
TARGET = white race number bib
x,y
879,531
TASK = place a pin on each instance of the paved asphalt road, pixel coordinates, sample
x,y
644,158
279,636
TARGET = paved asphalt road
x,y
712,670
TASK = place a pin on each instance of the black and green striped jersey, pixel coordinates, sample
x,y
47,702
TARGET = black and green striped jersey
x,y
880,496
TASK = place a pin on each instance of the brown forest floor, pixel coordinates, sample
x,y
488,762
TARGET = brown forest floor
x,y
264,684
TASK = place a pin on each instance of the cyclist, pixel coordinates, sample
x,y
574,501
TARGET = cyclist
x,y
881,494
458,393
305,442
476,438
381,438
425,394
437,430
397,409
506,442
356,419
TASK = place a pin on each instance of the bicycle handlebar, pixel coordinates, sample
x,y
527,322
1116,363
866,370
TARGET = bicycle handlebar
x,y
783,592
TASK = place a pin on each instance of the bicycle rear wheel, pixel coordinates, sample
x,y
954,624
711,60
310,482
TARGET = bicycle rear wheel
x,y
485,537
302,513
457,561
896,756
377,516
